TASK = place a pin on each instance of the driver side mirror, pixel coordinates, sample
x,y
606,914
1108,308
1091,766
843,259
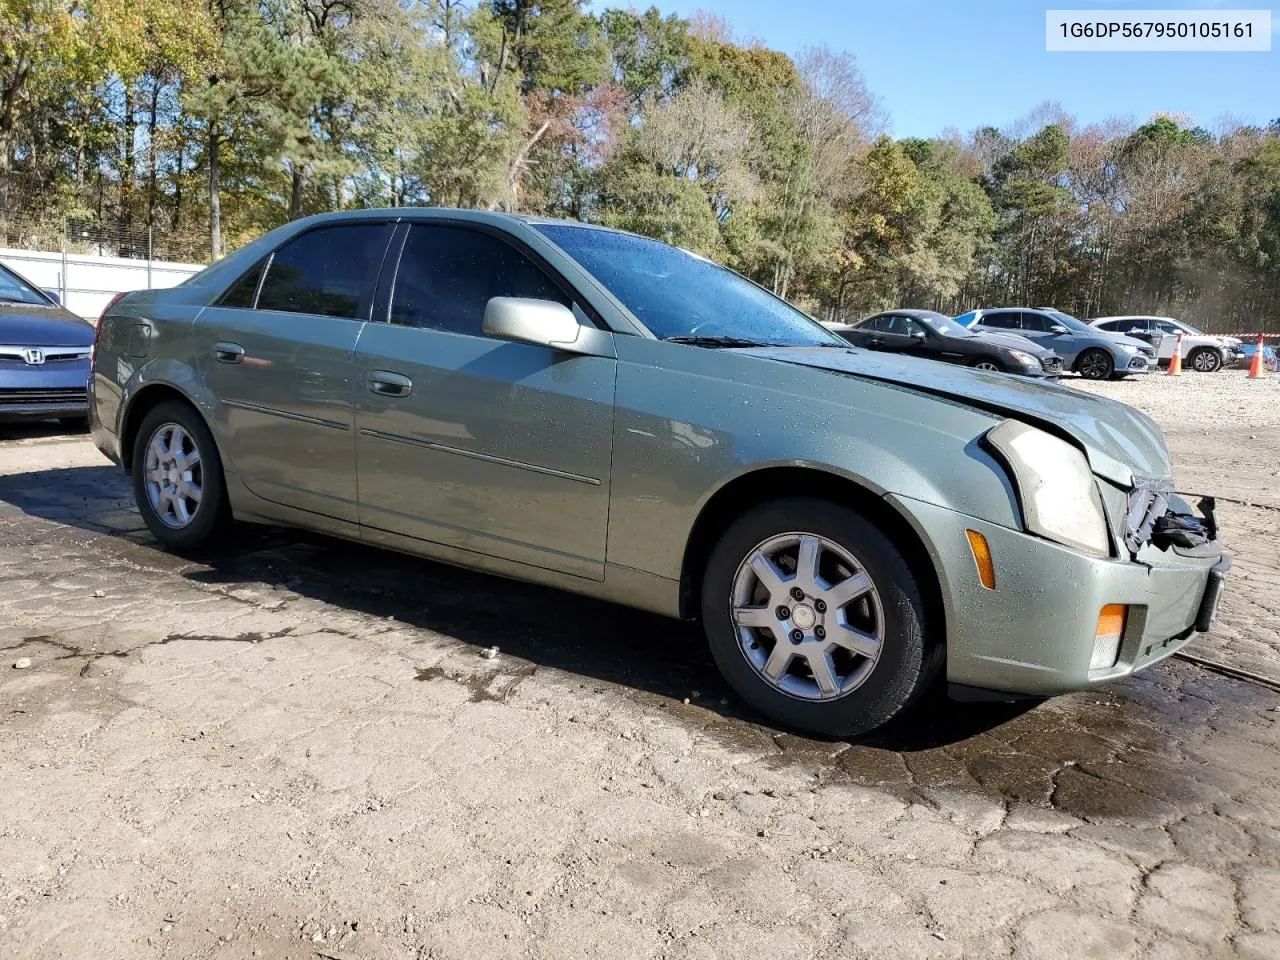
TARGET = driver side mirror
x,y
543,323
919,336
1058,328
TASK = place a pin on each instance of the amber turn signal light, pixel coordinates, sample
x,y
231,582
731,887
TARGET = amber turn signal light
x,y
982,557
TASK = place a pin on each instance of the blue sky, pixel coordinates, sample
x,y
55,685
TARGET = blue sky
x,y
969,63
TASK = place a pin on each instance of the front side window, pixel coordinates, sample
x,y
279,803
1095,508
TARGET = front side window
x,y
680,295
329,271
1036,321
448,275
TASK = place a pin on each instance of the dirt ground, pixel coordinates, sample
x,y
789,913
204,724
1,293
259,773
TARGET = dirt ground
x,y
299,748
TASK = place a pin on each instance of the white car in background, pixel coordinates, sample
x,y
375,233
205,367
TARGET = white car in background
x,y
1202,352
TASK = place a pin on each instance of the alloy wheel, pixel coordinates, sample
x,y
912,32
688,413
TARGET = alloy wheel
x,y
1205,361
986,365
174,475
1096,365
808,616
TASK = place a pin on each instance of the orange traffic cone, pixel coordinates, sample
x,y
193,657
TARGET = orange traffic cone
x,y
1255,368
1175,363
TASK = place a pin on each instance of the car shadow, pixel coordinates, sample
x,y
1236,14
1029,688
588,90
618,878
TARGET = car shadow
x,y
654,657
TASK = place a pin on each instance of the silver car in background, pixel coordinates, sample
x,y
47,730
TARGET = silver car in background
x,y
1202,352
1092,353
604,413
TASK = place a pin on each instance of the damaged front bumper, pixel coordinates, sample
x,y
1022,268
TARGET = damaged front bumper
x,y
1038,632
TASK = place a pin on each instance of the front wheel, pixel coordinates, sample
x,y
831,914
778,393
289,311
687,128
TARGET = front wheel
x,y
177,477
986,363
1095,365
816,619
1205,360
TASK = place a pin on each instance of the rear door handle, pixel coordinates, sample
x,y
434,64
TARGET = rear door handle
x,y
876,342
387,384
225,352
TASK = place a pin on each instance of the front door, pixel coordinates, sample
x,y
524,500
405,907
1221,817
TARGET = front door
x,y
278,351
486,445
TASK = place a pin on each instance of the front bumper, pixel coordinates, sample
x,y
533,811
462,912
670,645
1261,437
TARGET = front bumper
x,y
1135,363
1034,633
49,391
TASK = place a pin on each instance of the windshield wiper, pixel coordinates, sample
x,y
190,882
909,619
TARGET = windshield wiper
x,y
720,342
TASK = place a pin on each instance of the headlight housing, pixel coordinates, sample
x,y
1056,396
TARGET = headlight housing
x,y
1026,359
1128,349
1059,497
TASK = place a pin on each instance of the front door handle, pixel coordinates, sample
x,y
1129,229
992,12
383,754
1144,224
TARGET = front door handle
x,y
225,352
387,384
876,342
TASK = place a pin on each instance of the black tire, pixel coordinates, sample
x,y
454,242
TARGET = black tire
x,y
910,657
213,514
1204,360
988,363
1095,364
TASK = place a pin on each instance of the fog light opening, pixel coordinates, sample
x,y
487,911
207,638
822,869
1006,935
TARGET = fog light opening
x,y
1107,637
982,557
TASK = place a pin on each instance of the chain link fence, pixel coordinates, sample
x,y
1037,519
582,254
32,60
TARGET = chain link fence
x,y
83,262
104,239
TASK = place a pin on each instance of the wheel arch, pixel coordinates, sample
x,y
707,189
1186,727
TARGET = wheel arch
x,y
146,399
759,486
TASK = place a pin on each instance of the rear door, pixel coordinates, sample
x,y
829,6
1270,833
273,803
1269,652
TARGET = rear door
x,y
278,351
1009,320
490,446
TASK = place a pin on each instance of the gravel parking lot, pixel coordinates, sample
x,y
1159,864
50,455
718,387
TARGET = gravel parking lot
x,y
304,748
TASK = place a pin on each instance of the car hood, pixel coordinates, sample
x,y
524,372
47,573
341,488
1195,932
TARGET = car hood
x,y
1012,341
27,325
1120,441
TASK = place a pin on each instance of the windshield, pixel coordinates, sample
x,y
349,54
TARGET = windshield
x,y
677,294
1070,322
13,289
943,325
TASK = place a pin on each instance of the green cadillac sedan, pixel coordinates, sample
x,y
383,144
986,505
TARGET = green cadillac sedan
x,y
604,413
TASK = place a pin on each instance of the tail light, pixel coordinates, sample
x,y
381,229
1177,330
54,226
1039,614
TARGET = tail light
x,y
97,327
105,310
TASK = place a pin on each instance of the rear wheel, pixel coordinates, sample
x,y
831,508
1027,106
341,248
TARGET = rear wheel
x,y
1095,365
986,363
1205,360
177,477
816,619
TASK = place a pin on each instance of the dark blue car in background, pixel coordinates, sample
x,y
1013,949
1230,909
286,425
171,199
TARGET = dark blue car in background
x,y
45,353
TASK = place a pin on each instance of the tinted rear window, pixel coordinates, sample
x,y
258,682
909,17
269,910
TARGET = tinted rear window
x,y
329,271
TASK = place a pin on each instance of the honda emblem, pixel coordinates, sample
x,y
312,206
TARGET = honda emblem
x,y
33,356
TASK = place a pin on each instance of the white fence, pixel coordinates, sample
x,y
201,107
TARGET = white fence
x,y
84,283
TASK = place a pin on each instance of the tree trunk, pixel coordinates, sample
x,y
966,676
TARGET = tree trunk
x,y
215,199
296,182
152,123
180,161
128,160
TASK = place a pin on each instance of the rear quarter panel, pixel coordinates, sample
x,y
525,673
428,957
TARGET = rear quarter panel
x,y
146,341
